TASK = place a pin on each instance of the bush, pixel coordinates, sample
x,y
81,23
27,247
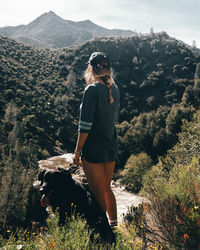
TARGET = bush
x,y
17,173
188,144
74,235
172,186
134,170
174,210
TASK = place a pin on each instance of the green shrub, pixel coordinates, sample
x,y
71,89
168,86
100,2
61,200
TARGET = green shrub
x,y
172,186
174,206
188,145
134,170
74,235
17,173
45,154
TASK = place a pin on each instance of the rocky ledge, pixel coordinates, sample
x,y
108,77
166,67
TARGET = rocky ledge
x,y
124,198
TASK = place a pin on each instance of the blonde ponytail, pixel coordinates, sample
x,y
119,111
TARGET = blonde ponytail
x,y
99,66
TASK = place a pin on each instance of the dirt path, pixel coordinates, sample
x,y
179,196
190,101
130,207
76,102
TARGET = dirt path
x,y
124,198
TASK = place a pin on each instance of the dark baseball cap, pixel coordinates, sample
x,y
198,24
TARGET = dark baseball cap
x,y
99,58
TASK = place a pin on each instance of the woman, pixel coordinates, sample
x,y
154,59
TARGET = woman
x,y
97,140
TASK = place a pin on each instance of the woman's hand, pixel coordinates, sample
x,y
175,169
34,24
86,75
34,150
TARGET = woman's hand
x,y
76,158
79,145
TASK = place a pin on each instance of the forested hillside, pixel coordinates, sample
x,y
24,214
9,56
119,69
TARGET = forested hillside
x,y
41,91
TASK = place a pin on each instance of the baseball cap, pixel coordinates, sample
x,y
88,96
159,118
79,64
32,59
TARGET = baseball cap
x,y
99,58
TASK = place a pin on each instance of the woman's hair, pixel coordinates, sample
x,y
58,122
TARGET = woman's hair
x,y
99,66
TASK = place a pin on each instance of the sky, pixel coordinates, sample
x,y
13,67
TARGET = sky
x,y
179,18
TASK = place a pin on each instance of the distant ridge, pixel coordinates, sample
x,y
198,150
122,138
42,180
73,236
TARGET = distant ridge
x,y
51,31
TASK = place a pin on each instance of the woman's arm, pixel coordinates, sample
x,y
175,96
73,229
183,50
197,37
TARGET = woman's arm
x,y
79,145
87,112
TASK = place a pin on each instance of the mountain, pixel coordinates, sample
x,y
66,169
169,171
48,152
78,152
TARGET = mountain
x,y
51,31
41,92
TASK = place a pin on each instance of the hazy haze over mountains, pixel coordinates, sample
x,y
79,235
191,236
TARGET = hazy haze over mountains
x,y
51,31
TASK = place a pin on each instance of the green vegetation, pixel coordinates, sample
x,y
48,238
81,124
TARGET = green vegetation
x,y
172,217
18,169
41,91
75,235
134,170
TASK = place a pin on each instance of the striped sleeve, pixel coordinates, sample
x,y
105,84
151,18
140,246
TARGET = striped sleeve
x,y
87,109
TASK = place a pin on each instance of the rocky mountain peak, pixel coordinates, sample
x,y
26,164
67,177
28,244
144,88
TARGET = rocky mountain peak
x,y
51,31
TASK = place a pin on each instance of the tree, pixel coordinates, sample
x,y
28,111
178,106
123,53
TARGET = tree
x,y
18,170
134,170
188,144
11,113
197,72
151,31
194,44
197,83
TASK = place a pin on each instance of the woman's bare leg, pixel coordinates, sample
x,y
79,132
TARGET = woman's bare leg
x,y
99,176
111,206
94,173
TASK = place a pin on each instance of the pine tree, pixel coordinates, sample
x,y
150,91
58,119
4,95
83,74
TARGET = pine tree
x,y
197,83
194,44
18,171
197,72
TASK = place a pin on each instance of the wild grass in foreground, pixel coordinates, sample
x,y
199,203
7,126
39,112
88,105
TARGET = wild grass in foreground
x,y
74,235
